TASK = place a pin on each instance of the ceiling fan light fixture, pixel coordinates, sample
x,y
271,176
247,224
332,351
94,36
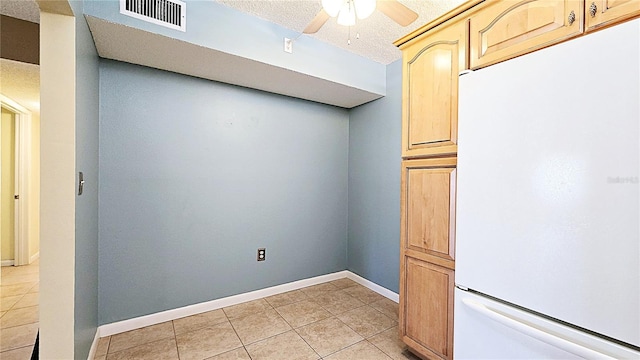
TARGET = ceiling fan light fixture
x,y
348,10
332,7
364,8
347,15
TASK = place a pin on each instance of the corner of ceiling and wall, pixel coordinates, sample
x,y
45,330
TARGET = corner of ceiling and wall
x,y
226,45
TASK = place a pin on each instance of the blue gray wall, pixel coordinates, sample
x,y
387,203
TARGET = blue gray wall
x,y
374,185
196,175
86,257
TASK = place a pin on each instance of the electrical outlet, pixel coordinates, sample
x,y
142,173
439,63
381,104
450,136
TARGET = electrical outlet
x,y
288,45
262,254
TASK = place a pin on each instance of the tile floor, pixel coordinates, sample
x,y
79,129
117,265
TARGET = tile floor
x,y
337,320
18,310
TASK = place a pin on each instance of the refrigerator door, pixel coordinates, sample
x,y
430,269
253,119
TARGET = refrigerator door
x,y
486,329
548,182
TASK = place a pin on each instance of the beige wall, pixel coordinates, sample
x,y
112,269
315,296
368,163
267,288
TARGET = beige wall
x,y
57,182
7,213
34,188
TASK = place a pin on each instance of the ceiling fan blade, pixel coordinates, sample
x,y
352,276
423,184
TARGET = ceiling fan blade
x,y
397,12
317,22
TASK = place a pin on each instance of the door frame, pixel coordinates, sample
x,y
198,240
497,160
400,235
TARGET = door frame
x,y
22,180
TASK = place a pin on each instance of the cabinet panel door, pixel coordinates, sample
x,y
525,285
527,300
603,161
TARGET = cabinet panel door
x,y
428,204
427,308
430,90
601,13
504,29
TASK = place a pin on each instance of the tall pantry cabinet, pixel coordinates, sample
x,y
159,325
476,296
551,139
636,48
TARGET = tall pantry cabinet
x,y
431,63
476,34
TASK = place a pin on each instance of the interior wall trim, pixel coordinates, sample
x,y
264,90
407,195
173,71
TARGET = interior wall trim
x,y
173,314
373,286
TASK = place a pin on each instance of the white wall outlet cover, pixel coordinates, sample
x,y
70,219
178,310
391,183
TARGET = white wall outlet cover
x,y
288,45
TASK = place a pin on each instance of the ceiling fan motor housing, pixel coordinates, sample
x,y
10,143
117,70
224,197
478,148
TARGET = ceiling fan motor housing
x,y
348,10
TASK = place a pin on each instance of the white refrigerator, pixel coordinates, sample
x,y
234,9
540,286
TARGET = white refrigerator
x,y
548,227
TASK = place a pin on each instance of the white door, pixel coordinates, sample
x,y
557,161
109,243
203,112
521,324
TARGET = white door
x,y
16,169
7,183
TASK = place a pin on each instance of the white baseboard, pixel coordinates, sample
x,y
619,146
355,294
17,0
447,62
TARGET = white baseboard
x,y
160,317
152,319
33,258
94,345
373,286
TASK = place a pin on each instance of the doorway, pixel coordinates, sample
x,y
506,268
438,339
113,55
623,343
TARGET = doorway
x,y
15,183
19,288
7,187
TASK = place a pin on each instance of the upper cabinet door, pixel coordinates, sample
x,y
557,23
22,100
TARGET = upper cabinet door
x,y
432,62
504,29
601,13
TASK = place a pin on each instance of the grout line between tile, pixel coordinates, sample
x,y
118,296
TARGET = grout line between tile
x,y
175,338
382,351
305,341
396,320
297,333
146,341
247,351
285,320
345,348
23,347
108,345
235,331
374,345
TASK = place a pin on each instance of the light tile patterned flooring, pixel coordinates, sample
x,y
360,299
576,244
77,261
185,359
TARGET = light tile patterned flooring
x,y
18,310
337,320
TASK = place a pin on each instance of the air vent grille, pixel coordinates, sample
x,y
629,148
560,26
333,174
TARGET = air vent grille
x,y
169,13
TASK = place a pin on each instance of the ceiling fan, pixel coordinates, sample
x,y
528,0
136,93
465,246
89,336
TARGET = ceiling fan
x,y
348,10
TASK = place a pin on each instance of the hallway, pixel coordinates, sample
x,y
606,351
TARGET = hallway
x,y
19,298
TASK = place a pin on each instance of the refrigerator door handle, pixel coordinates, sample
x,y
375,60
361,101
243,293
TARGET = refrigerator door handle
x,y
523,326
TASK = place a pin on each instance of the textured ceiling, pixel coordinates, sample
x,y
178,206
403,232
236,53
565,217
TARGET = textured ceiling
x,y
20,82
377,32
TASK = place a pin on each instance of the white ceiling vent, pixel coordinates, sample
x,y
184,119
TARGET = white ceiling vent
x,y
168,13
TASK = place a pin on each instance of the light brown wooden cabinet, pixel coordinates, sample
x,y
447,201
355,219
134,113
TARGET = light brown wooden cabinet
x,y
429,206
431,63
429,299
600,13
427,255
504,29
